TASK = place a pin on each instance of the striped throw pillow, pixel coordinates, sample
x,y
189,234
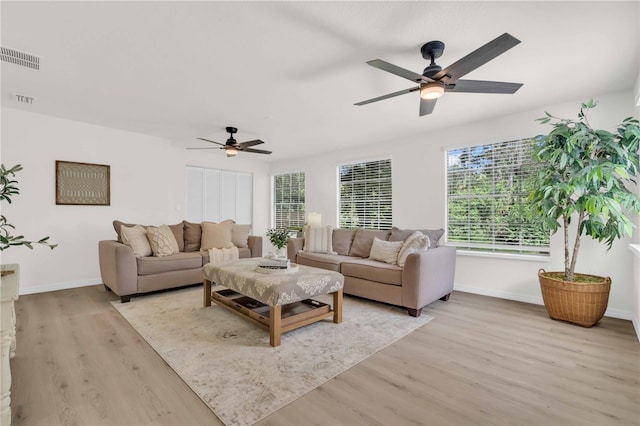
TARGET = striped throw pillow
x,y
318,239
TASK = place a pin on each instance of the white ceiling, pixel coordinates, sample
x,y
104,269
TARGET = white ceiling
x,y
289,72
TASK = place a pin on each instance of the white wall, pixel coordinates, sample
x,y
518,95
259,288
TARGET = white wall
x,y
419,200
147,186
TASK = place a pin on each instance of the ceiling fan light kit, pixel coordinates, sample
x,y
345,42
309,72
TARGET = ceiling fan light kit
x,y
431,91
434,80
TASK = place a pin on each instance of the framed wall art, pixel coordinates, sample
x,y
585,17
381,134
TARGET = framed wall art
x,y
82,184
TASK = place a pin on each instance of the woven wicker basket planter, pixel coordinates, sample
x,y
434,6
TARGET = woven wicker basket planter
x,y
579,303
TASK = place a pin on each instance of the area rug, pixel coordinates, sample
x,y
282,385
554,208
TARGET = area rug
x,y
228,362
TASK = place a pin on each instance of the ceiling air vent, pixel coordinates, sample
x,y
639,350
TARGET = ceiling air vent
x,y
19,58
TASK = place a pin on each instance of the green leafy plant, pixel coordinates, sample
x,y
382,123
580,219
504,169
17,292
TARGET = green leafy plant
x,y
584,179
278,237
8,189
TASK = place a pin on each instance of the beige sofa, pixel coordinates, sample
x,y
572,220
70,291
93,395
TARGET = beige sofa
x,y
127,275
426,276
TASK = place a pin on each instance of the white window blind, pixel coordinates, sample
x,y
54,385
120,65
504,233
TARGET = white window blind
x,y
365,195
288,196
487,189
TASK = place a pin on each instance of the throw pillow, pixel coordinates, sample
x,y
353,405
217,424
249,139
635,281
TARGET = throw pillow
x,y
136,238
162,241
216,235
363,240
117,225
178,233
416,242
192,236
240,235
385,251
342,239
402,234
317,239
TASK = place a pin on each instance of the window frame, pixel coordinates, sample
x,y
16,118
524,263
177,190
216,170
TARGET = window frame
x,y
339,199
492,249
274,210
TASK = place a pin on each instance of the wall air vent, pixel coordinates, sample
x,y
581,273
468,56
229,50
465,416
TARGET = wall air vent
x,y
19,58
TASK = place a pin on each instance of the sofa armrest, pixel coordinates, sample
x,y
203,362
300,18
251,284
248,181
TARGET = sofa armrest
x,y
118,267
254,242
428,276
294,245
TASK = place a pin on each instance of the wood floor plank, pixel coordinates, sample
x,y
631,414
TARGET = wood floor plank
x,y
480,361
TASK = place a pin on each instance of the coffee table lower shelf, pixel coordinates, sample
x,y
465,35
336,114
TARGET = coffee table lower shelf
x,y
276,319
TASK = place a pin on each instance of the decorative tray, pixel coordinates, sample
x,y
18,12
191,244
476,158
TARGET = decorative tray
x,y
266,270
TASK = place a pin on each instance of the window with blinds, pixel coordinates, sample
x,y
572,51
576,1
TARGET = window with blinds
x,y
365,195
288,198
487,189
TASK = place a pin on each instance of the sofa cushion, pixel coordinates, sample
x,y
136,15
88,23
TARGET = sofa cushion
x,y
330,262
192,236
385,251
240,235
136,238
178,233
216,235
317,239
402,234
175,262
416,243
162,241
372,270
342,239
243,253
361,246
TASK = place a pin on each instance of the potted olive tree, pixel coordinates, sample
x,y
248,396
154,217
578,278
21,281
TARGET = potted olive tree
x,y
583,183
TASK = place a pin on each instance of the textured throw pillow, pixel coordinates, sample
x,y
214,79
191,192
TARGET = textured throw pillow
x,y
385,251
240,235
192,236
216,235
342,239
361,246
317,239
136,238
402,234
162,241
416,242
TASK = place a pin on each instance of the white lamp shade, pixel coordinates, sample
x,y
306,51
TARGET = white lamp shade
x,y
431,91
231,152
314,219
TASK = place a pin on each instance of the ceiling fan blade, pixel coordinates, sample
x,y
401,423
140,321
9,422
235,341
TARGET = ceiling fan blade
x,y
390,95
480,86
399,71
477,58
207,140
426,106
209,147
257,151
250,143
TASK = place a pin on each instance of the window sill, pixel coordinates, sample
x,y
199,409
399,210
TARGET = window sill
x,y
514,256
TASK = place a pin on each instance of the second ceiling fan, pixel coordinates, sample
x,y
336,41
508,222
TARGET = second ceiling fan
x,y
232,146
434,80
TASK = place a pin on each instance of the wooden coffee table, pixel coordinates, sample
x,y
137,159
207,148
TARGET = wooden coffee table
x,y
278,302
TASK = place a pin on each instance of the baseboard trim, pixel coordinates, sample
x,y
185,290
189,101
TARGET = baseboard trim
x,y
636,325
59,286
536,300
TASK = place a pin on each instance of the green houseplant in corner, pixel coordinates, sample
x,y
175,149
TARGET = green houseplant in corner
x,y
9,188
583,183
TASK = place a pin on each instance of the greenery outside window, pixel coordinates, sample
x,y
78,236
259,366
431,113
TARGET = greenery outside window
x,y
365,195
487,189
289,199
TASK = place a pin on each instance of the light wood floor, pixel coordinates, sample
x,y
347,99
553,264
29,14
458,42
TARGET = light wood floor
x,y
480,361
